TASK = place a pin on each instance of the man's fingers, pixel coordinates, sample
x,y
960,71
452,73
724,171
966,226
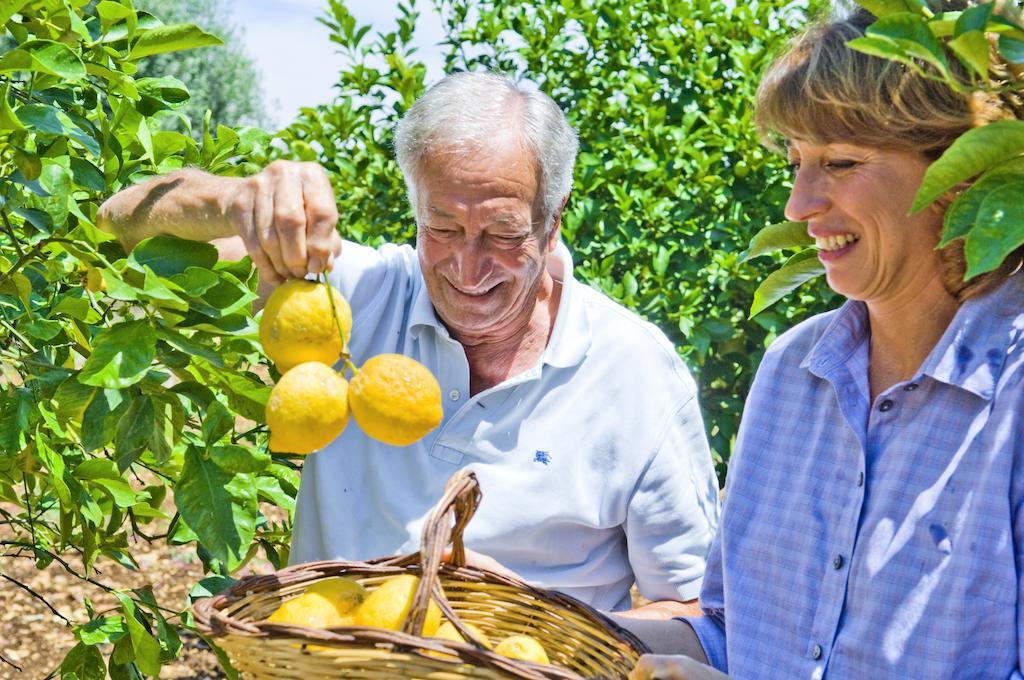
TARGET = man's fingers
x,y
290,221
263,223
241,215
322,241
672,667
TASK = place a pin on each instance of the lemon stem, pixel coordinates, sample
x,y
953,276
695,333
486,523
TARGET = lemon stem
x,y
337,324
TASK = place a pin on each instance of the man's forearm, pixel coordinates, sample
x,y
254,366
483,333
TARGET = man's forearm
x,y
189,203
665,637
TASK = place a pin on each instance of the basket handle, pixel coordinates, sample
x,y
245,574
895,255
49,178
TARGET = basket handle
x,y
445,524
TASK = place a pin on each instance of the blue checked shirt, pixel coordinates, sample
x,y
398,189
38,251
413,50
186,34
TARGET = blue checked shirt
x,y
884,539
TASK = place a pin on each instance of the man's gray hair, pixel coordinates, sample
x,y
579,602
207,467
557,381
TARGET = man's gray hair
x,y
467,109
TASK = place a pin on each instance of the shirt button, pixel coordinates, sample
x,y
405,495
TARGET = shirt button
x,y
838,562
816,652
454,395
911,387
885,405
860,478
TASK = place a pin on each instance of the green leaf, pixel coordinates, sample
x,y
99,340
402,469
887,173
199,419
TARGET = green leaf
x,y
44,56
16,408
971,49
101,631
169,256
72,399
8,8
233,458
971,154
85,662
973,19
881,8
910,32
184,344
8,119
962,214
779,236
53,121
195,280
217,422
223,526
1012,49
210,586
121,355
133,431
77,308
112,12
144,645
799,269
97,468
171,39
87,175
999,229
42,329
54,462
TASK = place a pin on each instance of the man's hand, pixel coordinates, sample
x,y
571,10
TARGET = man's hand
x,y
672,667
286,217
664,609
481,561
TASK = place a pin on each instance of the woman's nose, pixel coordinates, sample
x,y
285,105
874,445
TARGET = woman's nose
x,y
808,197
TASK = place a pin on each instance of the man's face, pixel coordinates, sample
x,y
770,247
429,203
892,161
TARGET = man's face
x,y
481,239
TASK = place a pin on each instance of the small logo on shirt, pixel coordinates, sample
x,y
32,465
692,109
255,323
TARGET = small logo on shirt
x,y
541,457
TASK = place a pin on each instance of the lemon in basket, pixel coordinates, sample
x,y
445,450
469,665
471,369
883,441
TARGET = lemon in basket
x,y
522,647
448,631
307,408
325,604
300,323
388,606
395,399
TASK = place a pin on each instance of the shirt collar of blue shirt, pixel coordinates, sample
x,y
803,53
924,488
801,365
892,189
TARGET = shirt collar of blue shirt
x,y
570,338
969,355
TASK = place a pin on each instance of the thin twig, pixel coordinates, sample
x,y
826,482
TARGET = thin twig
x,y
38,597
10,663
10,232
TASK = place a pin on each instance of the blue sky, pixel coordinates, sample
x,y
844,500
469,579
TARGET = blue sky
x,y
297,61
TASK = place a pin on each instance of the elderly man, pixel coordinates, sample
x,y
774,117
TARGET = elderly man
x,y
578,417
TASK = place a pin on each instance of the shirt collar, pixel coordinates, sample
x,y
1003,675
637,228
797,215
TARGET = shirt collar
x,y
570,338
973,349
969,355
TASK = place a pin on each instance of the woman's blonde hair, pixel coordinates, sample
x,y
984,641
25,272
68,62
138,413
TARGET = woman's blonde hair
x,y
822,90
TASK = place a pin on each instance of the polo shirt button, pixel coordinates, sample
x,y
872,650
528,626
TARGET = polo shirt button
x,y
838,562
454,395
816,652
911,387
885,405
860,478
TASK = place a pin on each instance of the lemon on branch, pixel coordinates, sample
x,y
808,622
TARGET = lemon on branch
x,y
395,399
307,409
301,323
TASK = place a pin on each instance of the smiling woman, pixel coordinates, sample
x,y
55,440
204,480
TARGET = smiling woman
x,y
872,524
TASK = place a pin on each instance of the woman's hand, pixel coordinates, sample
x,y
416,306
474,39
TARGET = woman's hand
x,y
672,667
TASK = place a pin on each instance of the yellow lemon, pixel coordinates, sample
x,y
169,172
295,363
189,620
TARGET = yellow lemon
x,y
388,606
395,399
312,610
345,593
522,647
448,631
297,324
307,409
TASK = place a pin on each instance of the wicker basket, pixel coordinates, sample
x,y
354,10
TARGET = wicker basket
x,y
580,641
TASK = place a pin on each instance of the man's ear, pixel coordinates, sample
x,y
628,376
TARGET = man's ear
x,y
556,225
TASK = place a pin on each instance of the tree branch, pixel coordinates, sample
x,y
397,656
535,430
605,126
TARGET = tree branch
x,y
39,597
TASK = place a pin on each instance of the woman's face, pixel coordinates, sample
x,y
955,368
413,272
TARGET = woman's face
x,y
856,202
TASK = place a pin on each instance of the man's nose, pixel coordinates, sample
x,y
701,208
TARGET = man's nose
x,y
472,261
809,195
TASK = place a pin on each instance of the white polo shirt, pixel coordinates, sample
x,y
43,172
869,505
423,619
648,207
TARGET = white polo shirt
x,y
594,464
